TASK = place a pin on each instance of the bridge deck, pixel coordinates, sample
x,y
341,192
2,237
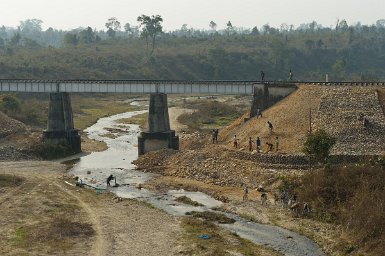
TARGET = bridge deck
x,y
150,86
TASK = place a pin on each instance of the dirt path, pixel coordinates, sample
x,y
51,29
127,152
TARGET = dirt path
x,y
100,247
174,113
31,212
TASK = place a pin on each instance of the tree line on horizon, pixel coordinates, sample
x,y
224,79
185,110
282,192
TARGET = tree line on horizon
x,y
344,52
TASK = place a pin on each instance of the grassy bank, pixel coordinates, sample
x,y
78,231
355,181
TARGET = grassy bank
x,y
205,238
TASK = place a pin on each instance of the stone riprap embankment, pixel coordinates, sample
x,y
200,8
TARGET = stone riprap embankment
x,y
9,126
16,139
342,112
12,153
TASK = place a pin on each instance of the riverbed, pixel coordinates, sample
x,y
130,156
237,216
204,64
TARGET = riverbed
x,y
121,139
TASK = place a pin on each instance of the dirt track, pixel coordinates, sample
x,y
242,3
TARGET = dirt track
x,y
29,212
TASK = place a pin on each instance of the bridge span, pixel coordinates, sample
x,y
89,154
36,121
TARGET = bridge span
x,y
230,87
60,126
129,86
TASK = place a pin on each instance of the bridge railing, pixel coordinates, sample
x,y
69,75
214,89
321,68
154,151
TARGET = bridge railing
x,y
129,86
152,86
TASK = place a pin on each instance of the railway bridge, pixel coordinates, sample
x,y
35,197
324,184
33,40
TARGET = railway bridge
x,y
159,135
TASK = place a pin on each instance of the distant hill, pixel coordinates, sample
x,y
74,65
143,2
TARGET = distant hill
x,y
351,54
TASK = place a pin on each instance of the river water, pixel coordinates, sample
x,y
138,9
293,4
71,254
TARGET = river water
x,y
121,140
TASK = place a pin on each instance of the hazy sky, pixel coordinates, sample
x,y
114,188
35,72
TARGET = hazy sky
x,y
68,14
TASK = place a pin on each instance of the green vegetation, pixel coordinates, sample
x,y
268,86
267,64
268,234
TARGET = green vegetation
x,y
212,216
140,120
218,242
32,109
10,180
187,200
57,233
89,108
311,51
19,237
10,104
318,145
209,114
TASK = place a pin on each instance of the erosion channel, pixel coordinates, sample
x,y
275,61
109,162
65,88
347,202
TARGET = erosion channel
x,y
121,139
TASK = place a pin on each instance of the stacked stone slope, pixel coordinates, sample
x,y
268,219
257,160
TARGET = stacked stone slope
x,y
342,112
10,126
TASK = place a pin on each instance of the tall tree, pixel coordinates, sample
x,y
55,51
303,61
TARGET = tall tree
x,y
88,36
30,25
128,29
213,25
151,27
112,25
229,28
70,39
15,40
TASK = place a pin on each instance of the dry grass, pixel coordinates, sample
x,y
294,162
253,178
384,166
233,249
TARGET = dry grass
x,y
290,119
60,228
353,197
10,180
209,115
381,98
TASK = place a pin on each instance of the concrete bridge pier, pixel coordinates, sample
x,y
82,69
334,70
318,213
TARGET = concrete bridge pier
x,y
60,127
159,135
266,95
260,99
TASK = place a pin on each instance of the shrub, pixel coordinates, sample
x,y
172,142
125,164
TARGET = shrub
x,y
10,180
318,145
351,196
10,104
51,151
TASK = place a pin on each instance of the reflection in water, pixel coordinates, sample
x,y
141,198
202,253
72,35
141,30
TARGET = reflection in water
x,y
94,169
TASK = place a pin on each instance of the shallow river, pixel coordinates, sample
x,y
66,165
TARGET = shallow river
x,y
121,140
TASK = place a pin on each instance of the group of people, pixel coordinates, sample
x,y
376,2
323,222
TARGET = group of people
x,y
290,75
284,199
269,145
258,144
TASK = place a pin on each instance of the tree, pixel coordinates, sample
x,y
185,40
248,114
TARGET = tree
x,y
213,25
380,23
255,31
151,27
70,39
267,30
127,28
88,36
318,145
229,29
15,40
112,25
339,68
30,25
284,28
342,26
10,103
